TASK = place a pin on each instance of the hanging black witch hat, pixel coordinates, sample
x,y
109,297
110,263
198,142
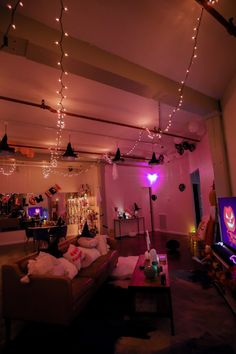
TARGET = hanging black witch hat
x,y
85,231
69,152
118,156
136,207
154,160
4,147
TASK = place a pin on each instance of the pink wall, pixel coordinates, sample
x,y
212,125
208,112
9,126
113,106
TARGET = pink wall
x,y
31,180
132,186
201,159
229,120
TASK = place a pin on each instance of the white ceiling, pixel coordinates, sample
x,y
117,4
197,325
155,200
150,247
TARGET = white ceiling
x,y
140,34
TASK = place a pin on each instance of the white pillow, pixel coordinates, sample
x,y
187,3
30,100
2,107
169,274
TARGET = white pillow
x,y
74,255
202,227
87,242
45,264
91,254
69,268
102,246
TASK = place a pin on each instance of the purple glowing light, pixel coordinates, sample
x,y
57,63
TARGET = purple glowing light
x,y
233,258
152,177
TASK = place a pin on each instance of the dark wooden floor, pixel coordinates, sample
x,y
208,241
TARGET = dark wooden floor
x,y
133,246
128,246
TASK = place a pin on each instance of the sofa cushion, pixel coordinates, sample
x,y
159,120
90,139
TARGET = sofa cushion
x,y
74,255
80,286
102,246
87,242
91,254
101,265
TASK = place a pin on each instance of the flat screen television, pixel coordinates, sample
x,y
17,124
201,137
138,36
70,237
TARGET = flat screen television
x,y
227,221
35,211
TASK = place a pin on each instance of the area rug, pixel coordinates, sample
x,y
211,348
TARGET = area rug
x,y
203,322
203,325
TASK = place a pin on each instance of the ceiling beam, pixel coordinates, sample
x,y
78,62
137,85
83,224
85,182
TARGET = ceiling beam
x,y
228,24
35,41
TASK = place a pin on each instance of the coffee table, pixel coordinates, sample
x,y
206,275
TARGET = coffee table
x,y
149,296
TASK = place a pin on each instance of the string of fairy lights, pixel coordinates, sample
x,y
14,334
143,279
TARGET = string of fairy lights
x,y
70,172
182,84
12,22
61,111
61,92
158,131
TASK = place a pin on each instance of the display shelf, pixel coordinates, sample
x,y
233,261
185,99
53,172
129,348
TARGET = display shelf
x,y
223,287
81,207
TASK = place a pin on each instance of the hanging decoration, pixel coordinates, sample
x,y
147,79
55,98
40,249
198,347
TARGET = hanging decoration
x,y
9,169
118,156
61,111
157,130
52,190
182,187
135,144
183,82
114,172
11,24
67,173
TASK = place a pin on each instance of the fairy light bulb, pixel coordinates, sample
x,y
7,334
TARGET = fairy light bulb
x,y
183,82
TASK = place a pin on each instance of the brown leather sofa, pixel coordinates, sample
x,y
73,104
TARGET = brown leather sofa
x,y
51,299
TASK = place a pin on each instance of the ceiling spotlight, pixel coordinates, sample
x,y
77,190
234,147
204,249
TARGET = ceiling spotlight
x,y
118,156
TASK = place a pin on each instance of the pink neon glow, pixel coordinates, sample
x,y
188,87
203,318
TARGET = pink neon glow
x,y
152,177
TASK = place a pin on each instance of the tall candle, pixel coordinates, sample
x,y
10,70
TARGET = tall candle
x,y
148,240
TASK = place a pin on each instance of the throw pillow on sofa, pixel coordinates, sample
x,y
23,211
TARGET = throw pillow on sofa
x,y
74,255
102,246
70,269
91,254
45,264
87,242
202,227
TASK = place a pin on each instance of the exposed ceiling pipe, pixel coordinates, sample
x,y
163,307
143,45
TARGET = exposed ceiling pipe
x,y
141,158
95,119
229,26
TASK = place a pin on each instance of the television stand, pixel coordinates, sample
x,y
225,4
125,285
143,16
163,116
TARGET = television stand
x,y
223,280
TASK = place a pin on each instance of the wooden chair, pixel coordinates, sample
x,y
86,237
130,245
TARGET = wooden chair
x,y
42,238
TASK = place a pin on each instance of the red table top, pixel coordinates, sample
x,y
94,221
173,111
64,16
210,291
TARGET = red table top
x,y
139,279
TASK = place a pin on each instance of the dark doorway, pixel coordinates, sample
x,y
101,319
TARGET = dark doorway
x,y
195,180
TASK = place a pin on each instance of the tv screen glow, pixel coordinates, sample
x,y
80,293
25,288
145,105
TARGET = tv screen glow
x,y
33,211
227,219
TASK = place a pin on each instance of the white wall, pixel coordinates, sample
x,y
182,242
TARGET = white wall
x,y
229,123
